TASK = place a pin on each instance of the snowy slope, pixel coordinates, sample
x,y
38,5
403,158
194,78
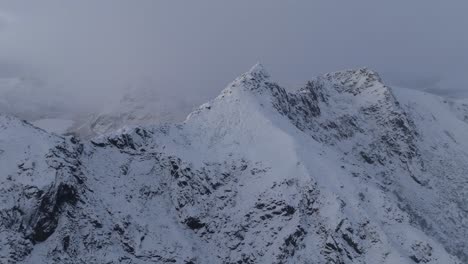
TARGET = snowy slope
x,y
54,125
460,108
344,170
36,181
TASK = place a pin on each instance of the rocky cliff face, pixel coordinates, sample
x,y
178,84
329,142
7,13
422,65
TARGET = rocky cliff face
x,y
344,170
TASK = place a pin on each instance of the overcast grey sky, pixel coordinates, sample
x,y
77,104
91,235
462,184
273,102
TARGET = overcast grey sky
x,y
194,48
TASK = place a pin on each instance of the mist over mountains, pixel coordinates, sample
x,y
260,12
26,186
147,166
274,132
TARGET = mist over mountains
x,y
119,144
93,51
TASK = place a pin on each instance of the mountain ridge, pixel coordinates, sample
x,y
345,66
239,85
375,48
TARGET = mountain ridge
x,y
344,170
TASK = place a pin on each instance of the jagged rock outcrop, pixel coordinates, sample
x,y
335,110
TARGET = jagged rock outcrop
x,y
344,170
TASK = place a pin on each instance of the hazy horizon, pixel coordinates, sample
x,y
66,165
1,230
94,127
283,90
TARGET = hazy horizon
x,y
92,50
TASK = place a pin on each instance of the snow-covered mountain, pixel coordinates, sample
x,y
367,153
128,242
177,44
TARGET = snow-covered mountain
x,y
344,170
33,100
141,104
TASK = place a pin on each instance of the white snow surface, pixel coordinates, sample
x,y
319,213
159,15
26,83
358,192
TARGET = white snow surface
x,y
344,170
54,125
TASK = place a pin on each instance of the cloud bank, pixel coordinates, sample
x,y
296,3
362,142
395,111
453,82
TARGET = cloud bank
x,y
93,50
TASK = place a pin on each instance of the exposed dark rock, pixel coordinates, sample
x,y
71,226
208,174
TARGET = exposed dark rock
x,y
352,243
366,157
194,223
66,242
45,221
288,210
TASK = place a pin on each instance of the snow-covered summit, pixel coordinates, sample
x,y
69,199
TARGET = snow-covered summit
x,y
253,80
258,71
356,78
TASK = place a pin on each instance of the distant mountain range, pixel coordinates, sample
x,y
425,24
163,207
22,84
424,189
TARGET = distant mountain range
x,y
142,104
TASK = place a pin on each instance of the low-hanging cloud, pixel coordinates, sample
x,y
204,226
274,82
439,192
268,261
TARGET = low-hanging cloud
x,y
4,20
94,49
